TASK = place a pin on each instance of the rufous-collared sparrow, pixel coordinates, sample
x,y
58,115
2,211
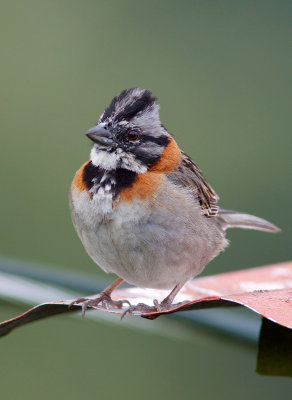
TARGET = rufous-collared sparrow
x,y
142,207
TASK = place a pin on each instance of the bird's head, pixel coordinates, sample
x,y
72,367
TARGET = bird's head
x,y
129,133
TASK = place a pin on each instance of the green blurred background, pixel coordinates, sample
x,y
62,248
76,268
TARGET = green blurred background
x,y
222,73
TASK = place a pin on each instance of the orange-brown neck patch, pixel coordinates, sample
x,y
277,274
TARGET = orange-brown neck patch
x,y
78,182
170,158
144,187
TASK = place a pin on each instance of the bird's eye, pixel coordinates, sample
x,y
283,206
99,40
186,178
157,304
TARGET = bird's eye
x,y
133,135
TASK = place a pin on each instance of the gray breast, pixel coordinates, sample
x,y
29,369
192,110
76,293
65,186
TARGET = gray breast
x,y
155,243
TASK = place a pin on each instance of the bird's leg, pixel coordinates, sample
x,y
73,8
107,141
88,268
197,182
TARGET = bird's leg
x,y
104,297
167,302
165,305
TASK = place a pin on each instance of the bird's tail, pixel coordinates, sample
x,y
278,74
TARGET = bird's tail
x,y
235,219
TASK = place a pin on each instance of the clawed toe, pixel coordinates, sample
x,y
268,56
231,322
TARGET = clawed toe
x,y
139,308
78,301
165,305
114,303
104,298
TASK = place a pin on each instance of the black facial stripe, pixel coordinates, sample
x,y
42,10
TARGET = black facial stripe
x,y
146,158
136,105
160,140
118,179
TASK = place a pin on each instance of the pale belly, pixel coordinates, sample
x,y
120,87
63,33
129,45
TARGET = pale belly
x,y
147,245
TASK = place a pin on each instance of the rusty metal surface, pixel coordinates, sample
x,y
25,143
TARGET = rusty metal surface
x,y
264,290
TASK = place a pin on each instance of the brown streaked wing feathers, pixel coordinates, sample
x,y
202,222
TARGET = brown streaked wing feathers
x,y
188,175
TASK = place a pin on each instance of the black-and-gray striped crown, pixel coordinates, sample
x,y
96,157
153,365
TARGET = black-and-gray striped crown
x,y
128,104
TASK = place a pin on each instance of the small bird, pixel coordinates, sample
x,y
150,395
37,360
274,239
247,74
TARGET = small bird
x,y
142,208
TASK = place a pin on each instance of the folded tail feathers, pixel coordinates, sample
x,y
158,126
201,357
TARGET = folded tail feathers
x,y
235,219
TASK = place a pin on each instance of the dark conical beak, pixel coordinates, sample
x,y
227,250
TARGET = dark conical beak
x,y
100,134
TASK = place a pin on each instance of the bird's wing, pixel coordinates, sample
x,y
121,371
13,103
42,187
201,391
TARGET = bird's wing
x,y
189,176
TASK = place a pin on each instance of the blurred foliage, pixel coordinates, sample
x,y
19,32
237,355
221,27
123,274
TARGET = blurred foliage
x,y
222,73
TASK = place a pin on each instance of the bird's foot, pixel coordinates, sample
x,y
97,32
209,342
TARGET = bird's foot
x,y
141,308
165,305
103,298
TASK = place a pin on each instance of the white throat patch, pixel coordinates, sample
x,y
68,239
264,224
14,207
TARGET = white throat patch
x,y
116,159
